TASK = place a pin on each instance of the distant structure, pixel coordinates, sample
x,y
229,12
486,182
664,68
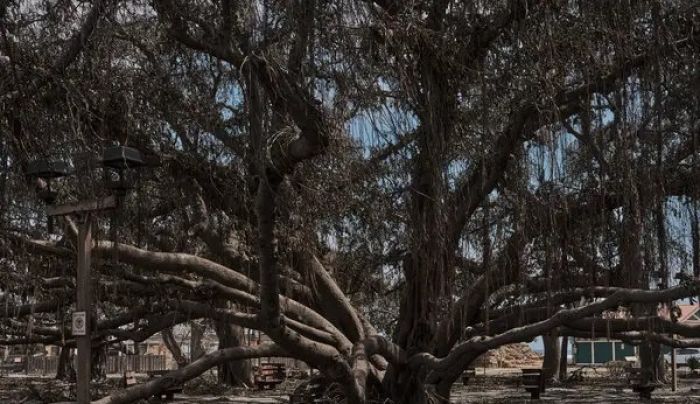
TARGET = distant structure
x,y
151,354
598,351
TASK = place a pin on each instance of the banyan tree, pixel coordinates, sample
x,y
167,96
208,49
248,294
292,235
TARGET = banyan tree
x,y
387,189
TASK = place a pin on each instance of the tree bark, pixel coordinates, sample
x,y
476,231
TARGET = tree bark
x,y
428,269
552,356
194,369
173,347
98,364
196,336
564,358
652,361
237,373
65,370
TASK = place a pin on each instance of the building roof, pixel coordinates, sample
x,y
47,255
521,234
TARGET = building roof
x,y
689,312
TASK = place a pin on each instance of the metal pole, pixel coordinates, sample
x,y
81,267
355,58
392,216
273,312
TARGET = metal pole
x,y
83,304
674,378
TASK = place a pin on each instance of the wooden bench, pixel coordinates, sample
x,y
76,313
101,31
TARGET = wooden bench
x,y
533,382
269,375
170,392
638,379
469,373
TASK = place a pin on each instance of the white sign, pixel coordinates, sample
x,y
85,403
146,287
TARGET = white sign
x,y
79,323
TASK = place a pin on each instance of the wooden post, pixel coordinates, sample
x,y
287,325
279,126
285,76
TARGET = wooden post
x,y
83,304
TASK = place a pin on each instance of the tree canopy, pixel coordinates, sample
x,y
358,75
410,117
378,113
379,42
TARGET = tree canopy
x,y
388,189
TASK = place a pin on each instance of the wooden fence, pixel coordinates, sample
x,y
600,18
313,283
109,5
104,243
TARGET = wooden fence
x,y
47,365
135,363
42,365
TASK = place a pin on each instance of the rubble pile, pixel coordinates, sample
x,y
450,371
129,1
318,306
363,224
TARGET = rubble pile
x,y
510,356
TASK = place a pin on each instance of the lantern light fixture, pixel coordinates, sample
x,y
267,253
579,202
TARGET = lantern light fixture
x,y
48,169
118,162
122,157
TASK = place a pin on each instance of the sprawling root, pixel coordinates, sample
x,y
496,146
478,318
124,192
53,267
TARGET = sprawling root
x,y
321,390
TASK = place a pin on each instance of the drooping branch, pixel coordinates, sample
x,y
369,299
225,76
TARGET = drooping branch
x,y
287,94
173,346
522,124
638,337
194,369
574,211
75,46
31,308
294,310
331,300
463,353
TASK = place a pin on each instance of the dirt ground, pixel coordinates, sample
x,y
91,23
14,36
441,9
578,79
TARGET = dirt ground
x,y
493,386
500,386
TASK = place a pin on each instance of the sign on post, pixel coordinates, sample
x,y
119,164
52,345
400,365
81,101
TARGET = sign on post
x,y
79,323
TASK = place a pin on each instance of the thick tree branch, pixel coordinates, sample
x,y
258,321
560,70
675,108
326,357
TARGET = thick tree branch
x,y
194,369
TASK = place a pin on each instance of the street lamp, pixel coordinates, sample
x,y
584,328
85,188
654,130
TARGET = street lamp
x,y
46,171
117,163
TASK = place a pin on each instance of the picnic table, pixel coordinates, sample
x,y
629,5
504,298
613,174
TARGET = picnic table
x,y
269,374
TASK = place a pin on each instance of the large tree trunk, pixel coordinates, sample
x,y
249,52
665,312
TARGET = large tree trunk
x,y
196,336
564,359
634,267
98,363
428,269
65,370
695,239
552,356
652,361
235,372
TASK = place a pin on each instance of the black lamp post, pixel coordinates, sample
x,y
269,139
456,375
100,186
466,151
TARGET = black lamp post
x,y
117,163
47,170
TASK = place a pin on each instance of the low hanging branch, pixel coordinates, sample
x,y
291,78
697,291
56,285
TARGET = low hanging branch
x,y
194,369
464,353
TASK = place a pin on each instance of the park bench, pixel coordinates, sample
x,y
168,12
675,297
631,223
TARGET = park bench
x,y
469,373
269,375
170,392
533,382
638,380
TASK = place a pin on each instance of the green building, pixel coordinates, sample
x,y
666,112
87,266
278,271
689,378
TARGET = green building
x,y
599,351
